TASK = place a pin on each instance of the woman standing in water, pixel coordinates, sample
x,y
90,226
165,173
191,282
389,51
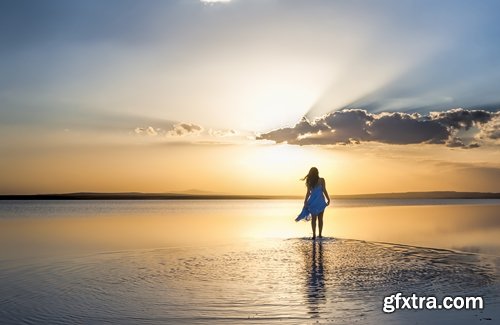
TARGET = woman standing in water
x,y
314,202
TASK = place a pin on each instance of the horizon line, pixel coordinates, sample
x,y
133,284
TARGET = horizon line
x,y
220,196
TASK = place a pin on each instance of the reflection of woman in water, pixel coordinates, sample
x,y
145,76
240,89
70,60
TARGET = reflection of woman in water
x,y
314,201
316,291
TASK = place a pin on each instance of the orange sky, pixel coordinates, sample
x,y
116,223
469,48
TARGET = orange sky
x,y
240,167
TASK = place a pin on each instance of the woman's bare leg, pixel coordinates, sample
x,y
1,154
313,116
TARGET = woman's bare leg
x,y
313,225
320,223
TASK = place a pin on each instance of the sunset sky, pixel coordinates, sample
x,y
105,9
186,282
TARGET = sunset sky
x,y
244,96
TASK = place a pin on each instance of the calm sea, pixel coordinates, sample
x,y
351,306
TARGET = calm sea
x,y
243,262
70,208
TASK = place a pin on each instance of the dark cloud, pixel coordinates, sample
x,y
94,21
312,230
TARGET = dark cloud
x,y
461,118
303,127
352,126
402,128
349,124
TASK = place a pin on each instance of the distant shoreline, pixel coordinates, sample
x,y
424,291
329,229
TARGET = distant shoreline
x,y
142,196
180,196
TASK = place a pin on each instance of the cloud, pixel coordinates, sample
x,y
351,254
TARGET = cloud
x,y
185,132
455,142
491,130
461,118
353,126
222,133
149,131
182,129
179,129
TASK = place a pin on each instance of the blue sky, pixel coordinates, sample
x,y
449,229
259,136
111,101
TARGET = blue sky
x,y
65,57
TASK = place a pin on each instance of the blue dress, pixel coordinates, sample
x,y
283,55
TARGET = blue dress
x,y
315,204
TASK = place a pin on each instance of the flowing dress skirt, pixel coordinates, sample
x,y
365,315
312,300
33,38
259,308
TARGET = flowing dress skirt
x,y
315,204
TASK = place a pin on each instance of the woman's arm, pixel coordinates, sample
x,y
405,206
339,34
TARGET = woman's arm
x,y
325,192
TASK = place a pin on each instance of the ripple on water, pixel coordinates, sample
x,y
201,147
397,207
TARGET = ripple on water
x,y
276,280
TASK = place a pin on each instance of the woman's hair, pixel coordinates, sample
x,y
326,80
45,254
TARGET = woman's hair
x,y
312,177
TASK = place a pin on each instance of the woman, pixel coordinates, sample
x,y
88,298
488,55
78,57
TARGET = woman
x,y
314,202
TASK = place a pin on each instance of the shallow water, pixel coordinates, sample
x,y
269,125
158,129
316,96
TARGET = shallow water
x,y
31,226
169,262
276,280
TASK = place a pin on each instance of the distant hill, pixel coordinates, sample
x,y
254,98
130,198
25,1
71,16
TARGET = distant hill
x,y
141,196
195,191
208,196
422,195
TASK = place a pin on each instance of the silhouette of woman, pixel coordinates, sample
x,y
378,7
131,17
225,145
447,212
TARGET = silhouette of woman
x,y
314,201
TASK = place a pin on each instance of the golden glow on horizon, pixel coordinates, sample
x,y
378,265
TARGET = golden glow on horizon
x,y
247,168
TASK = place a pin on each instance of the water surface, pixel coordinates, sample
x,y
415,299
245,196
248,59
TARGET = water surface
x,y
199,262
